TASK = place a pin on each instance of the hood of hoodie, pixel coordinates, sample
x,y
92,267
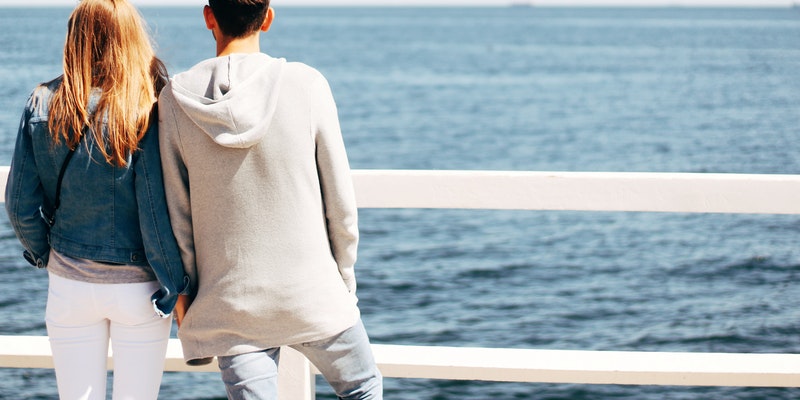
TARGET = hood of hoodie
x,y
231,98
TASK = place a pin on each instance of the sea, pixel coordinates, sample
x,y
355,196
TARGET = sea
x,y
699,90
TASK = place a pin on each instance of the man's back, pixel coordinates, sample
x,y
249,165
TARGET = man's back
x,y
262,204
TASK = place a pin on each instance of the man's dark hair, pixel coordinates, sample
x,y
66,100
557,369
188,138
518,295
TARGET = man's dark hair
x,y
237,18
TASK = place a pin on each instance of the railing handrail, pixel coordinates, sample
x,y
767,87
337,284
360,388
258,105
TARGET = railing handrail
x,y
526,190
511,365
579,191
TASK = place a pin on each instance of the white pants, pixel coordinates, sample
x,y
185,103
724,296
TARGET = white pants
x,y
81,317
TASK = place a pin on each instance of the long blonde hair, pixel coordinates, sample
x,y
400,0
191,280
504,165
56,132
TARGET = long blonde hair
x,y
107,48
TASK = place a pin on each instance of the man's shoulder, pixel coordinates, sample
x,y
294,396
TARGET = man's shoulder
x,y
303,73
301,67
194,68
167,92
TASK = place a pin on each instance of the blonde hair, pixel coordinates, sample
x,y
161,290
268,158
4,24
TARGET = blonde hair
x,y
108,49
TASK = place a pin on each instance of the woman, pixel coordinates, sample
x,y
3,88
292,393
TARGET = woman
x,y
86,199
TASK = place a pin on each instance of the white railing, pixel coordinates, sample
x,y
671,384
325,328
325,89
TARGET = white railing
x,y
582,191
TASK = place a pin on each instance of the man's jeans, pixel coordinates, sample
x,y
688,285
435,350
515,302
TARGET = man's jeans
x,y
345,360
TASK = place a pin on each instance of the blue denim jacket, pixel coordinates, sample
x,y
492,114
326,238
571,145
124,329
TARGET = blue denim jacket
x,y
116,215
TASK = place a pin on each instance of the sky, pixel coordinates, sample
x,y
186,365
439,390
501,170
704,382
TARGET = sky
x,y
760,3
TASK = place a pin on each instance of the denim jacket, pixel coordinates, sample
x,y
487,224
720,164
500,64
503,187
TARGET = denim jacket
x,y
116,215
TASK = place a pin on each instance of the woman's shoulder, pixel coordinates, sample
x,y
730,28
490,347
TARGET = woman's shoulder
x,y
40,97
49,87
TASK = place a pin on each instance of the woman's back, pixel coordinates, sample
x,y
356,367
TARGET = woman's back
x,y
85,197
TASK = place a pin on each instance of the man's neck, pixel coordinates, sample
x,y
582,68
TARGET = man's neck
x,y
247,44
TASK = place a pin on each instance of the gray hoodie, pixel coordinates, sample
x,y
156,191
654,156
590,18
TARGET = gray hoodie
x,y
262,204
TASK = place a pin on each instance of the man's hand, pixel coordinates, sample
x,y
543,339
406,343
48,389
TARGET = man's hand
x,y
184,301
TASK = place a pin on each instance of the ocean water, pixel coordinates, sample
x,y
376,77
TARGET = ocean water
x,y
553,89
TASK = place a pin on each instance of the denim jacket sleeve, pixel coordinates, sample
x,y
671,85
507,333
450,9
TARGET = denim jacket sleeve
x,y
24,195
159,241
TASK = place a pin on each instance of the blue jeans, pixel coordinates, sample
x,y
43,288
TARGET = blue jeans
x,y
345,360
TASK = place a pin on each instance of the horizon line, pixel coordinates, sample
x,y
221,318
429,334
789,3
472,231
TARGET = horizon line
x,y
28,4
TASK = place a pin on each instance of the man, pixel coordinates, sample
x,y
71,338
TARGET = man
x,y
262,204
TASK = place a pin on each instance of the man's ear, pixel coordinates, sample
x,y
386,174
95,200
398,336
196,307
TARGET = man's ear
x,y
208,16
268,20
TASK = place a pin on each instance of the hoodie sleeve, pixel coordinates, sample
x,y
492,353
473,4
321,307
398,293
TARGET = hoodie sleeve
x,y
338,194
176,182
